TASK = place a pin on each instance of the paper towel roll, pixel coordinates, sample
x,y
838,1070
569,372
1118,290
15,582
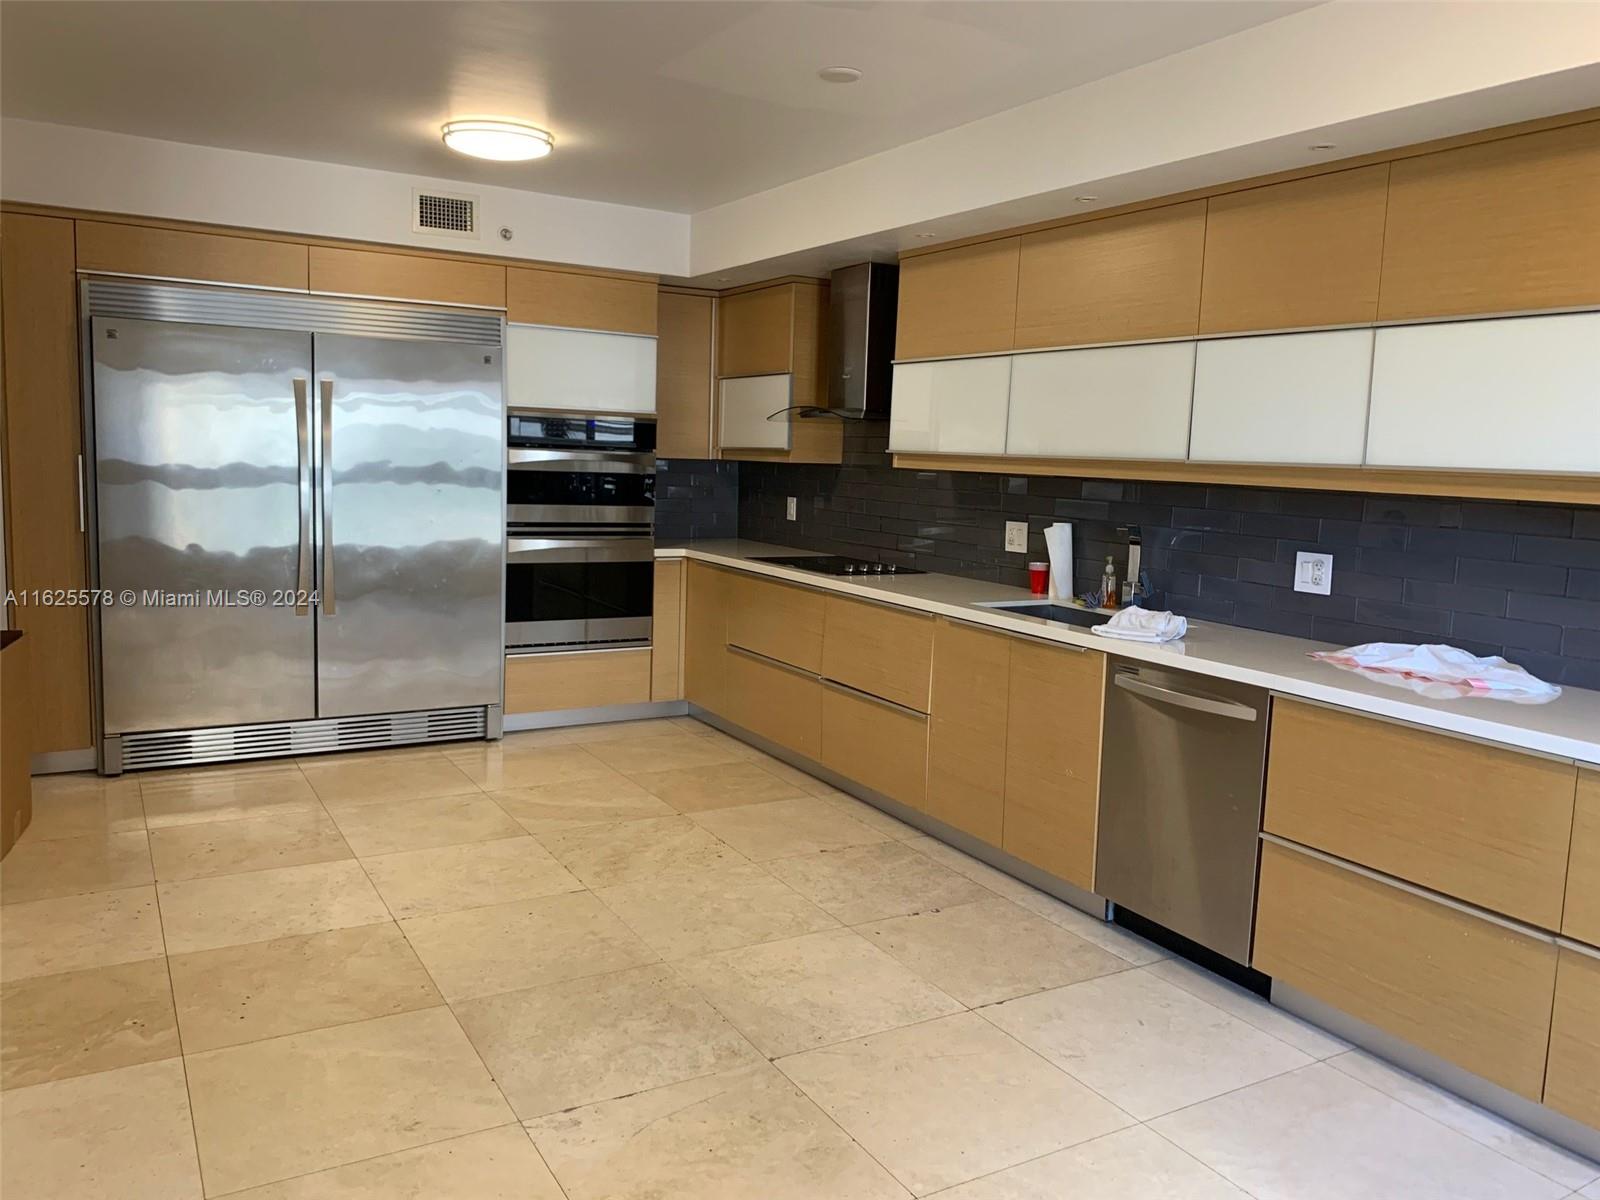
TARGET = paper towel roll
x,y
1058,545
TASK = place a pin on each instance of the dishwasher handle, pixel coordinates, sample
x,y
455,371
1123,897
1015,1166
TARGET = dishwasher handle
x,y
1205,704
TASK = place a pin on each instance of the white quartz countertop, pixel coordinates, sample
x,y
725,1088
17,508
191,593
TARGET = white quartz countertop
x,y
1567,727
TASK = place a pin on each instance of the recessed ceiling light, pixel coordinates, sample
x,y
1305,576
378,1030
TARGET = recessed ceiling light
x,y
839,74
1322,146
1086,199
502,141
927,235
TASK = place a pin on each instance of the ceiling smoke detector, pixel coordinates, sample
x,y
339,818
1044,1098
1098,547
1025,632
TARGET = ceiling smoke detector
x,y
1320,146
839,74
499,141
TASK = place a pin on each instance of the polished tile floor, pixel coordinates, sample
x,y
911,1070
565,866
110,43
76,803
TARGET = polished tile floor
x,y
638,961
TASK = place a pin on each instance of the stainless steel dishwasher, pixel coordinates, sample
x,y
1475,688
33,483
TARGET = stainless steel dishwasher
x,y
1180,802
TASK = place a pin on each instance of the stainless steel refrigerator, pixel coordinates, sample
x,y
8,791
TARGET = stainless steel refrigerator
x,y
298,511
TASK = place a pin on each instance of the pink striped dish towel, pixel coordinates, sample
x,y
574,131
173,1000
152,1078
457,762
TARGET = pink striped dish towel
x,y
1441,672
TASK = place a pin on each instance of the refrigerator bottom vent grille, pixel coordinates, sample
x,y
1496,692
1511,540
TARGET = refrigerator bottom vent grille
x,y
142,751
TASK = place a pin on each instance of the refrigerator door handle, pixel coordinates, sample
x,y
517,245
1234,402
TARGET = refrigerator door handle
x,y
302,418
328,606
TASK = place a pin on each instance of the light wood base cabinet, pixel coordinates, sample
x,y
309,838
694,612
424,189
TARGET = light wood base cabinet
x,y
877,744
1052,790
774,701
1572,1083
705,636
1581,919
16,739
1485,825
967,729
883,651
1473,992
666,632
776,620
584,679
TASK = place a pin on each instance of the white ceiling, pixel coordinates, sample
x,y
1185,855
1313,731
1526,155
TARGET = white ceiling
x,y
671,105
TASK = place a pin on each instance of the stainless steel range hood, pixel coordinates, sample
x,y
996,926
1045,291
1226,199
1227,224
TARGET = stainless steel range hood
x,y
860,349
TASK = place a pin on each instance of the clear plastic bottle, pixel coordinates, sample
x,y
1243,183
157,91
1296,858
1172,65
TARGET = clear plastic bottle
x,y
1108,583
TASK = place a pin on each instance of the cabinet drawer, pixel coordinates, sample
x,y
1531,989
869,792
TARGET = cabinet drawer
x,y
780,703
539,297
1456,985
181,254
883,651
1485,825
967,729
1581,918
776,620
1572,1081
407,277
876,744
589,679
1104,402
1052,789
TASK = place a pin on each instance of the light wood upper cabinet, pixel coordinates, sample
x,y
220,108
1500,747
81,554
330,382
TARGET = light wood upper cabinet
x,y
956,406
1496,227
1295,254
575,300
42,404
1102,402
1473,992
1572,1080
666,632
683,376
1116,279
755,332
958,301
1581,917
182,254
1486,825
407,277
776,620
1052,790
967,729
878,649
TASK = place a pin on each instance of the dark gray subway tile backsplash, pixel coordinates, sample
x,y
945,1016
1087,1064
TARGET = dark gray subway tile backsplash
x,y
1522,580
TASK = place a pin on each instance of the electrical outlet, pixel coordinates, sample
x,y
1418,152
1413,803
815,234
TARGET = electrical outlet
x,y
791,509
1313,573
1017,537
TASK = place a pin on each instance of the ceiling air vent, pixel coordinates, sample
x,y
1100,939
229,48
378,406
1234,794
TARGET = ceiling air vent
x,y
444,212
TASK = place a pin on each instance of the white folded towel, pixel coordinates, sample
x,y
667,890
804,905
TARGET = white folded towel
x,y
1142,625
1441,672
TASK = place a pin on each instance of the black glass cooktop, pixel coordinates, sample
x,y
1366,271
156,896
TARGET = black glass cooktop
x,y
836,564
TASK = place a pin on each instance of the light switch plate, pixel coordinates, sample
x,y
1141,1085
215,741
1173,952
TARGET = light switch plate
x,y
791,510
1017,537
1313,573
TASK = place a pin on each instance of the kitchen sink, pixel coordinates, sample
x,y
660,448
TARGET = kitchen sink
x,y
1086,618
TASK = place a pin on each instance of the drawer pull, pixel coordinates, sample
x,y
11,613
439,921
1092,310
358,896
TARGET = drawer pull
x,y
771,662
858,694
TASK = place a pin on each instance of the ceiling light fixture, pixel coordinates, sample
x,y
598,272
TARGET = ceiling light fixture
x,y
502,141
839,74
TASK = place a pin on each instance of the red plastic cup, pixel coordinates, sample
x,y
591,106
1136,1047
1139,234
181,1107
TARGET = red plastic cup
x,y
1039,578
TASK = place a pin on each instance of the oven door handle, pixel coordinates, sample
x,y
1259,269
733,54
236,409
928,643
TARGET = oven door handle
x,y
580,549
581,462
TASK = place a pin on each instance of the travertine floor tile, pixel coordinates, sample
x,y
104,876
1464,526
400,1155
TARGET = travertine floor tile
x,y
873,818
949,1100
115,1135
602,855
225,794
697,913
808,784
1315,1134
1249,1008
73,866
1145,1045
989,951
586,1040
813,990
618,731
422,882
253,844
870,883
72,933
602,800
497,1164
742,1135
722,785
496,766
266,989
80,805
283,1107
340,783
665,753
785,828
421,824
258,906
1131,1164
58,1026
482,951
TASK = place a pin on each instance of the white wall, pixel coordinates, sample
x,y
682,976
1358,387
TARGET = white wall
x,y
111,172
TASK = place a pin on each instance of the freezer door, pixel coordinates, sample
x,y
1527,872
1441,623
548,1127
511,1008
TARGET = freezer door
x,y
410,442
202,487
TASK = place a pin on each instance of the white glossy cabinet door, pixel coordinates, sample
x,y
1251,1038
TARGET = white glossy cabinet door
x,y
1106,402
1515,394
1286,398
576,370
745,405
953,407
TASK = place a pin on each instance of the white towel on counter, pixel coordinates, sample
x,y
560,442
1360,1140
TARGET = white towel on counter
x,y
1441,672
1142,625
